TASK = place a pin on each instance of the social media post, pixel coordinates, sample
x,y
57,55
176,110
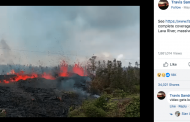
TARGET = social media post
x,y
171,29
171,60
171,40
169,102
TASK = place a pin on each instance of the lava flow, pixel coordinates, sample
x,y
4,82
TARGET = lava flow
x,y
19,76
47,76
63,72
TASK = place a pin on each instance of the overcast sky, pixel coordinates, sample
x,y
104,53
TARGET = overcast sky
x,y
76,32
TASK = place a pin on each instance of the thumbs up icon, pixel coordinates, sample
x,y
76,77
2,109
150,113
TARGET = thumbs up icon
x,y
165,64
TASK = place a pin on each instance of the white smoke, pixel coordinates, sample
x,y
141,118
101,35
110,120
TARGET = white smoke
x,y
120,56
68,85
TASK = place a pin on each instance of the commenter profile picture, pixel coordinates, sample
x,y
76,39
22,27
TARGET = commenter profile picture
x,y
161,95
163,4
177,113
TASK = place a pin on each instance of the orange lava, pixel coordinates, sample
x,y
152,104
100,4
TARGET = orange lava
x,y
78,70
47,76
22,76
63,72
5,81
63,69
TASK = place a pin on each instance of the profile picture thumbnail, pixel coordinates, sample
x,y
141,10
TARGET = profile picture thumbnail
x,y
163,4
177,113
161,95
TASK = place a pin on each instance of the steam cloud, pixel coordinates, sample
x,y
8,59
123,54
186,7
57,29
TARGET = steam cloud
x,y
5,53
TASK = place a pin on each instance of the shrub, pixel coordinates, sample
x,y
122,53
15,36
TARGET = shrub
x,y
133,109
73,113
71,108
111,105
120,93
77,112
137,88
90,110
108,90
101,102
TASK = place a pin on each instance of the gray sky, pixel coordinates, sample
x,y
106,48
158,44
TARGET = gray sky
x,y
76,32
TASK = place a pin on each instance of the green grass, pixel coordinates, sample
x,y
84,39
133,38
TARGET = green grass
x,y
112,108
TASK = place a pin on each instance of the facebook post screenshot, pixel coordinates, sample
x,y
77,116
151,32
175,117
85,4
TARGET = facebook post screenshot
x,y
70,61
171,60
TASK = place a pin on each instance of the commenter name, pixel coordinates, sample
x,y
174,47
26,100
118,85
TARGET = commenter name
x,y
185,95
180,2
186,2
174,95
177,95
